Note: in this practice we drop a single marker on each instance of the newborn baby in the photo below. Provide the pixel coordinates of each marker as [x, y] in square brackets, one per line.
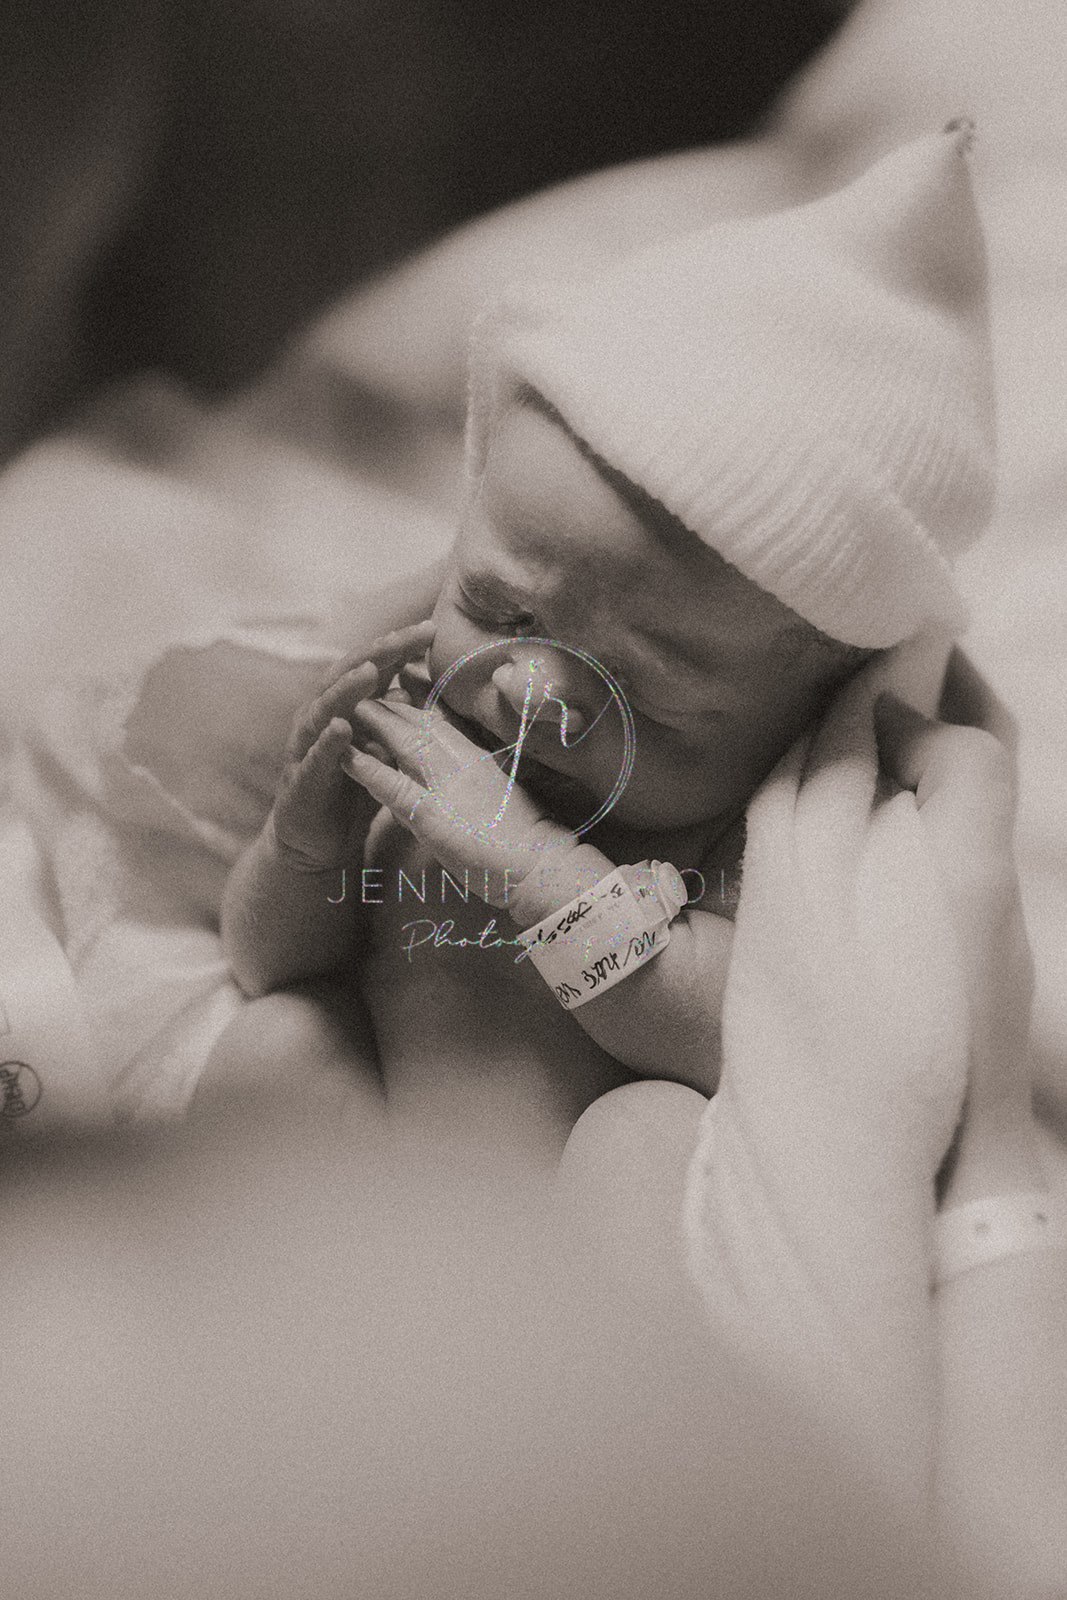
[701, 491]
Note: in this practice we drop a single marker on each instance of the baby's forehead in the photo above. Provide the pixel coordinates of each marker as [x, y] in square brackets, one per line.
[561, 516]
[563, 527]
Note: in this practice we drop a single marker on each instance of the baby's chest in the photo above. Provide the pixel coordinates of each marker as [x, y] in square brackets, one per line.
[443, 988]
[417, 910]
[437, 949]
[458, 1022]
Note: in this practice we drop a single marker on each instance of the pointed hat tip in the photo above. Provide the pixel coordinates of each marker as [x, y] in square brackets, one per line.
[911, 221]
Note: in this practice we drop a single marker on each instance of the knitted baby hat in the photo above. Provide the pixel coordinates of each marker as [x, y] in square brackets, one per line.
[810, 391]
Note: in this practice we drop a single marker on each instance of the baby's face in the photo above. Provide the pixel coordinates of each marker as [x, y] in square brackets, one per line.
[720, 677]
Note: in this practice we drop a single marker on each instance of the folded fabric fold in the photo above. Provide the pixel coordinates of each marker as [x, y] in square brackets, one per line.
[140, 794]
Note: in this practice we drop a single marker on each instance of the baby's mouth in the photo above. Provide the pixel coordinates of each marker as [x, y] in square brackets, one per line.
[556, 787]
[567, 798]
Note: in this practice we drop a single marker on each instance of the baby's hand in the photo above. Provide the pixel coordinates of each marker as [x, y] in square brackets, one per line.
[320, 819]
[451, 795]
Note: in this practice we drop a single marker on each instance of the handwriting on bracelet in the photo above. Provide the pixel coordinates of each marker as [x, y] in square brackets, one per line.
[639, 947]
[575, 913]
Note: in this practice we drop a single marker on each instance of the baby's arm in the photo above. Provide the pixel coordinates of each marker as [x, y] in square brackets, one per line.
[278, 922]
[664, 1020]
[288, 913]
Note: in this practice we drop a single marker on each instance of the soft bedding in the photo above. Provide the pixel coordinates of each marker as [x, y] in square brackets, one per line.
[174, 576]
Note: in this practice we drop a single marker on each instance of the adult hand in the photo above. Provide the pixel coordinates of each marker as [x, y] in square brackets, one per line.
[873, 902]
[963, 782]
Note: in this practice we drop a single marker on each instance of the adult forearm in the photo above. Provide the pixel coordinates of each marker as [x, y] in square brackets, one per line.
[281, 924]
[822, 1262]
[1002, 1455]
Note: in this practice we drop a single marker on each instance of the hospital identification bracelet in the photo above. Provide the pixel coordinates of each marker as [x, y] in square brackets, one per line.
[980, 1231]
[605, 934]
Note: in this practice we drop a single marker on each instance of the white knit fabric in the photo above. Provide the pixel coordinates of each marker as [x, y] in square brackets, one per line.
[810, 391]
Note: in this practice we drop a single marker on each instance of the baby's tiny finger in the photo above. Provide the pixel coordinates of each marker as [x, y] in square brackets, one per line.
[342, 694]
[330, 745]
[400, 647]
[302, 734]
[389, 786]
[395, 726]
[335, 700]
[401, 644]
[415, 680]
[317, 772]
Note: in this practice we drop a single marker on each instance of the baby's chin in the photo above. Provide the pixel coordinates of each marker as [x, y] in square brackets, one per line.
[574, 804]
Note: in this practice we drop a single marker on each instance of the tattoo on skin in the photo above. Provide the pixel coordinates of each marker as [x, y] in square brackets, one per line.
[20, 1090]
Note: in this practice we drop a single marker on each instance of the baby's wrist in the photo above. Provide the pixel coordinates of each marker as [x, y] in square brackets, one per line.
[294, 860]
[561, 874]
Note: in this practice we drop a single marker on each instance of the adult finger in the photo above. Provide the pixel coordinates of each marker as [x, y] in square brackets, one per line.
[962, 778]
[963, 784]
[838, 786]
[623, 1176]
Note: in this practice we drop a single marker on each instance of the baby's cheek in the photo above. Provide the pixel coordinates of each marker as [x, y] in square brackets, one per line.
[453, 639]
[438, 658]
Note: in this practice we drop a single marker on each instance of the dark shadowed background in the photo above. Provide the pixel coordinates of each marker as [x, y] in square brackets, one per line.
[182, 182]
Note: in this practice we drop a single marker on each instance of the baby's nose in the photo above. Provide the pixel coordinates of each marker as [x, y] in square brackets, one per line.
[537, 684]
